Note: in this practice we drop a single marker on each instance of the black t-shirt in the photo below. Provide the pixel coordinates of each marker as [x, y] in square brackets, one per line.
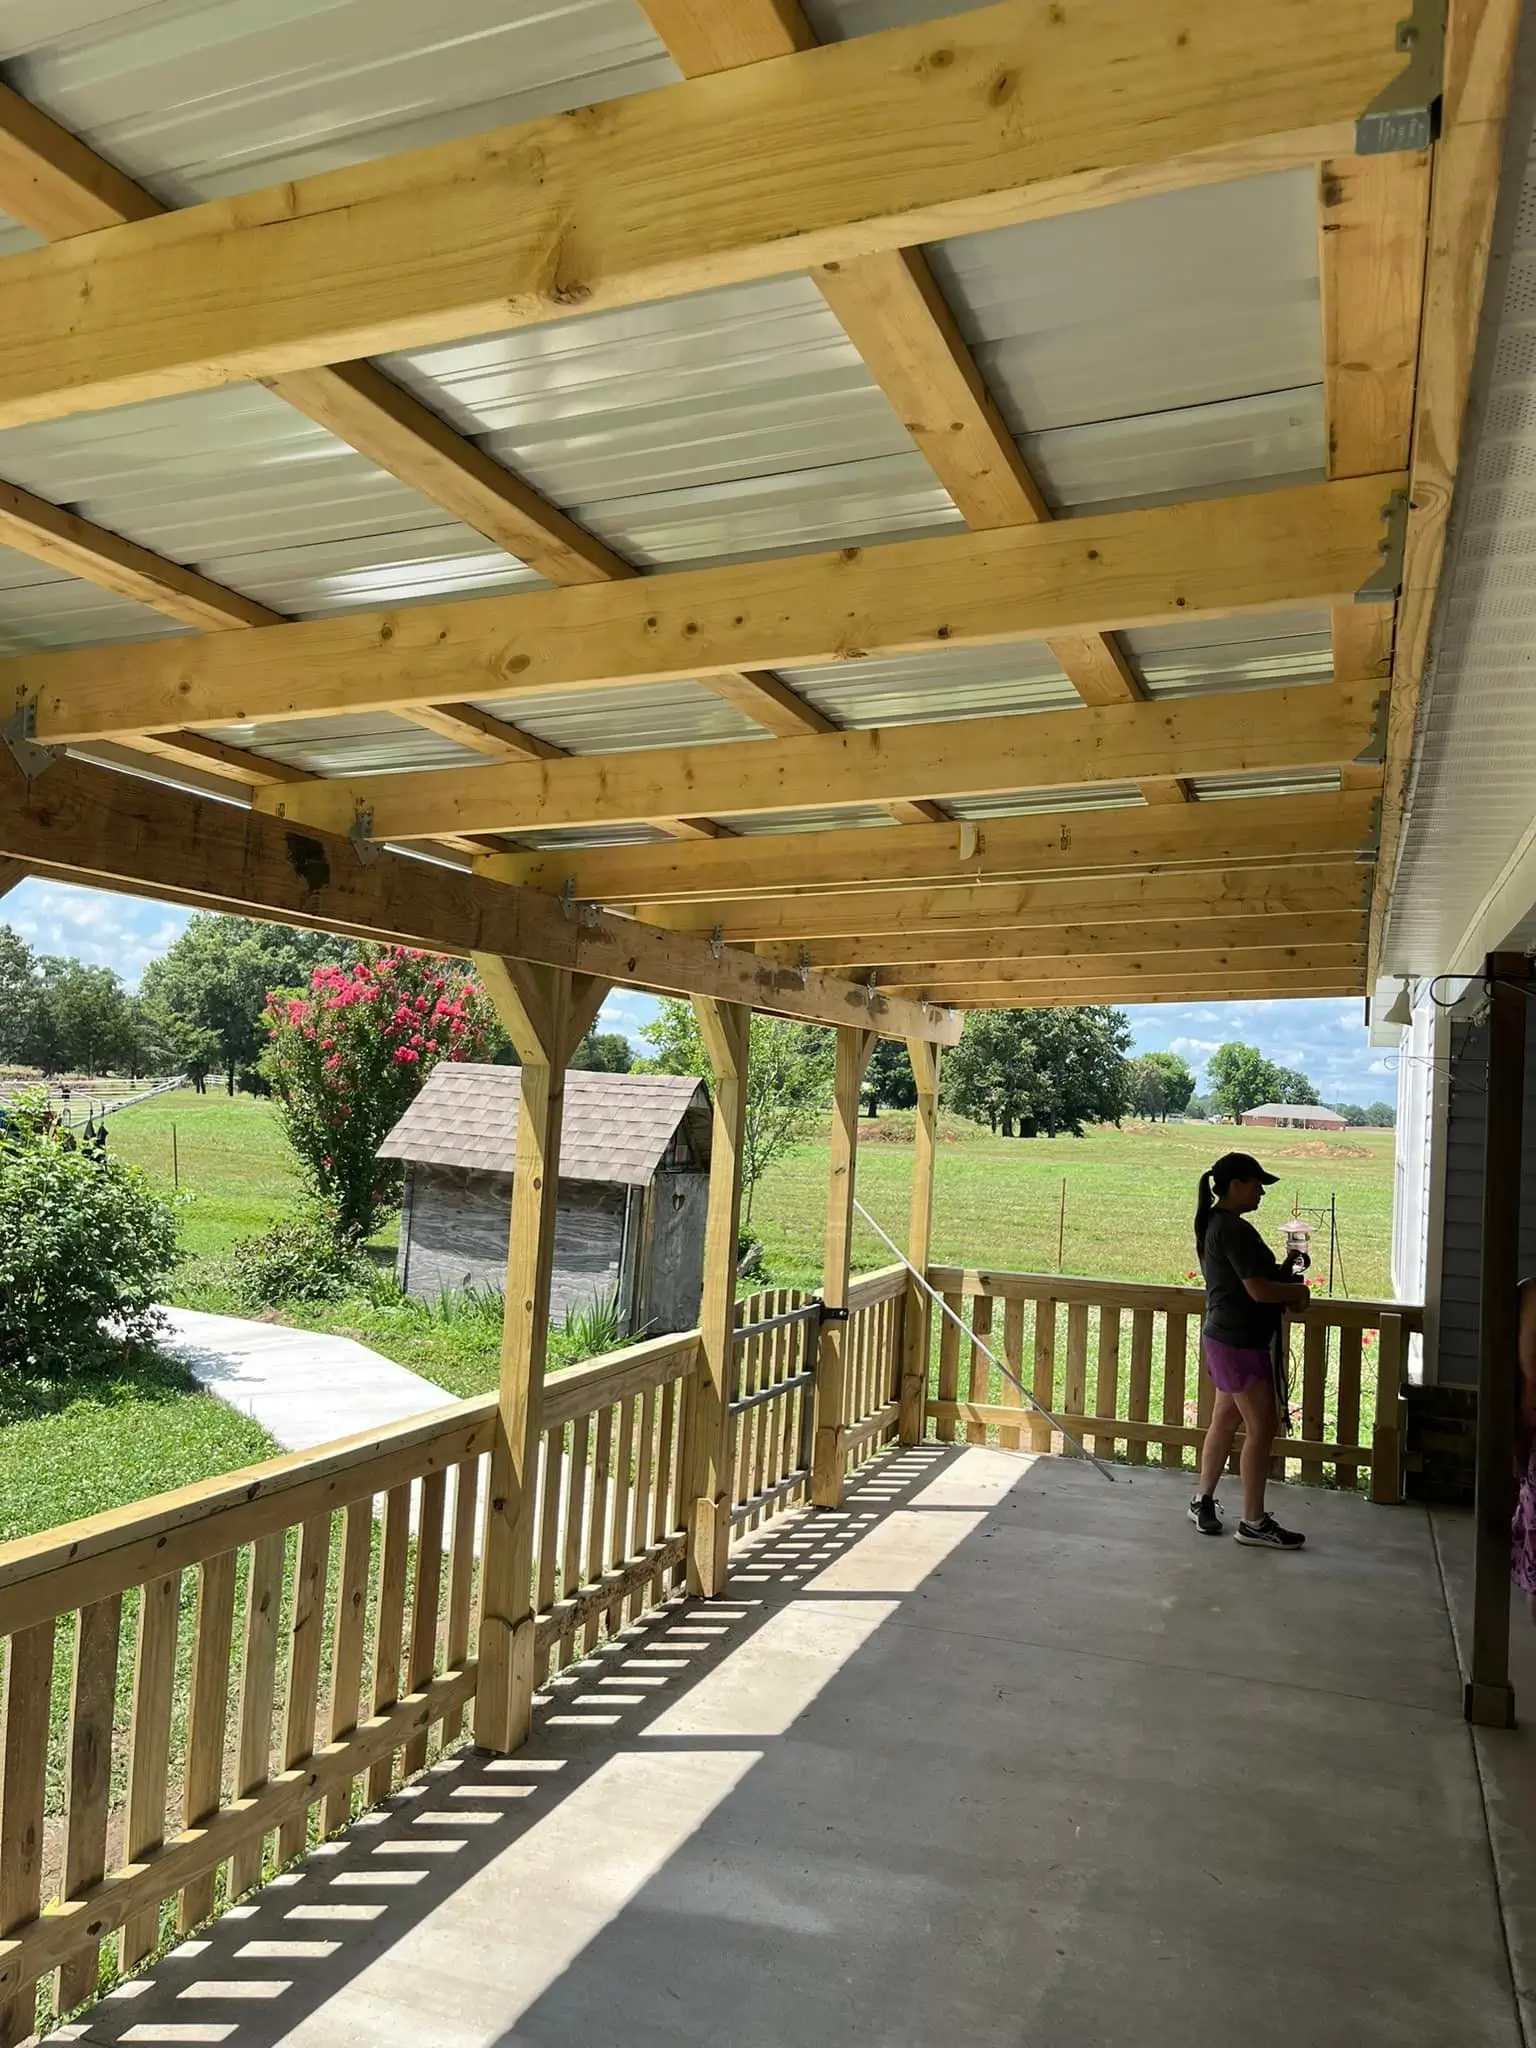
[1235, 1252]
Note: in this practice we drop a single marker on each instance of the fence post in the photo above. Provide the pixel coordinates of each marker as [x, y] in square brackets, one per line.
[547, 1012]
[853, 1050]
[915, 1318]
[1386, 1433]
[706, 1452]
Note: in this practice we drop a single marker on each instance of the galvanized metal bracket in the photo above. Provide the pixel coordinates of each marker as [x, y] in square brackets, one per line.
[577, 911]
[364, 845]
[1385, 581]
[1370, 854]
[1374, 753]
[717, 942]
[803, 967]
[1405, 115]
[17, 732]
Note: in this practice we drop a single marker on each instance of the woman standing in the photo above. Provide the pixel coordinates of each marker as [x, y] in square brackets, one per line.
[1247, 1291]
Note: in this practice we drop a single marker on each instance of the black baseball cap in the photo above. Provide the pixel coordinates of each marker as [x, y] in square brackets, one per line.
[1241, 1166]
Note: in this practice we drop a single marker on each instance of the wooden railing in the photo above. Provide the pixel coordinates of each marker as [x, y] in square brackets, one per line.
[1119, 1365]
[875, 1307]
[200, 1686]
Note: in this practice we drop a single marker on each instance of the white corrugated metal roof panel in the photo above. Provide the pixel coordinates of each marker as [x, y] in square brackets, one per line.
[835, 19]
[609, 835]
[1225, 788]
[367, 743]
[1201, 451]
[200, 98]
[42, 608]
[619, 721]
[1099, 796]
[1197, 655]
[838, 818]
[971, 682]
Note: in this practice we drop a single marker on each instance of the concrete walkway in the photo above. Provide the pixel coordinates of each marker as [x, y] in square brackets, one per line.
[997, 1757]
[304, 1388]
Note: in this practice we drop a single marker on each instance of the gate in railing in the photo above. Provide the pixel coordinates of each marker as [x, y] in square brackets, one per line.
[1119, 1365]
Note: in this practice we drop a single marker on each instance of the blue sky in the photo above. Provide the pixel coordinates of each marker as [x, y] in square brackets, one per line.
[1325, 1039]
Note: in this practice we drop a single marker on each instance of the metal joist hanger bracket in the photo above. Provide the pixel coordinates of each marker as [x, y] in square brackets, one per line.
[1385, 582]
[18, 734]
[364, 845]
[1405, 115]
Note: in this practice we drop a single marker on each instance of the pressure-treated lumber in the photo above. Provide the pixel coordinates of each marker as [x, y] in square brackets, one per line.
[1130, 968]
[1229, 986]
[829, 1453]
[1310, 544]
[1019, 117]
[1479, 70]
[12, 872]
[1060, 843]
[1259, 933]
[1291, 728]
[986, 906]
[708, 1482]
[119, 832]
[916, 1320]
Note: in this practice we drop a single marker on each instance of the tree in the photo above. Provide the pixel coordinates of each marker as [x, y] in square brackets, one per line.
[216, 979]
[1293, 1087]
[347, 1055]
[1040, 1072]
[790, 1073]
[1381, 1116]
[888, 1078]
[604, 1052]
[1353, 1114]
[18, 994]
[1240, 1078]
[1159, 1084]
[81, 1021]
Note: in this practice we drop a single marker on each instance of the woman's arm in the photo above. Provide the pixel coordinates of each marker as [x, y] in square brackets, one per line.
[1288, 1294]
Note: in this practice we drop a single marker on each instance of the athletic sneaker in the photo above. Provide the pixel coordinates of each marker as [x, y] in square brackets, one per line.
[1205, 1514]
[1267, 1535]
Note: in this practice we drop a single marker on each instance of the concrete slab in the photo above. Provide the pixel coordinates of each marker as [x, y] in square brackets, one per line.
[999, 1755]
[303, 1387]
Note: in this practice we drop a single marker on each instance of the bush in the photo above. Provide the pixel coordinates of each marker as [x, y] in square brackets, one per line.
[84, 1242]
[303, 1258]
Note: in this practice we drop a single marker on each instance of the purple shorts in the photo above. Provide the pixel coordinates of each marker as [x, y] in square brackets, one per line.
[1236, 1367]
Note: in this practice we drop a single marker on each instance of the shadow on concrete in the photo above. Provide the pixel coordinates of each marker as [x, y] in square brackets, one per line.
[997, 1754]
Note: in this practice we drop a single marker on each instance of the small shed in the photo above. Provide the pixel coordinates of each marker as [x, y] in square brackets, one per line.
[1296, 1116]
[634, 1179]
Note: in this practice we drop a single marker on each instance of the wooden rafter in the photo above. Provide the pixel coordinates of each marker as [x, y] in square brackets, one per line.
[11, 873]
[1181, 988]
[1284, 730]
[1254, 931]
[1129, 967]
[121, 832]
[1315, 543]
[1017, 122]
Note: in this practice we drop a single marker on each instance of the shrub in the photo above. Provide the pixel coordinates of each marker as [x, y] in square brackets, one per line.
[303, 1258]
[84, 1242]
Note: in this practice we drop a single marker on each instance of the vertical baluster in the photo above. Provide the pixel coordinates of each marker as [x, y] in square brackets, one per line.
[154, 1687]
[949, 1366]
[23, 1784]
[389, 1623]
[1045, 1374]
[622, 1487]
[597, 1526]
[347, 1656]
[978, 1377]
[461, 1582]
[93, 1693]
[1349, 1404]
[1141, 1379]
[307, 1640]
[1314, 1393]
[645, 1485]
[1175, 1375]
[1106, 1392]
[575, 1527]
[1011, 1437]
[1075, 1388]
[207, 1719]
[791, 1356]
[753, 1361]
[426, 1605]
[546, 1563]
[667, 1511]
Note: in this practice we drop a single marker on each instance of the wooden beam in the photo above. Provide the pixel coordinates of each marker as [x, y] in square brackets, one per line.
[117, 831]
[706, 1455]
[1293, 891]
[1291, 728]
[1222, 988]
[704, 37]
[1055, 843]
[12, 872]
[1214, 557]
[1020, 118]
[234, 764]
[1257, 931]
[1479, 69]
[1278, 964]
[829, 1455]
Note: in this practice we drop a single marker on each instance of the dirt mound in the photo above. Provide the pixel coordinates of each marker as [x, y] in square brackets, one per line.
[1320, 1148]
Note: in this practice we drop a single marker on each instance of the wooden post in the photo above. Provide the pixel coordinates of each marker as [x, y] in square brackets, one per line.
[916, 1321]
[707, 1475]
[1387, 1428]
[853, 1050]
[547, 1011]
[1490, 1699]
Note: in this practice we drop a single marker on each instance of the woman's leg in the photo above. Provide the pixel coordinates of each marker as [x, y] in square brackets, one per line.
[1256, 1404]
[1219, 1432]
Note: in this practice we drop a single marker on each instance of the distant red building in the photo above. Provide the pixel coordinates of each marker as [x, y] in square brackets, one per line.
[1295, 1116]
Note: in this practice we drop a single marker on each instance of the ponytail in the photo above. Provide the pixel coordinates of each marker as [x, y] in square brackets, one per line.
[1205, 1202]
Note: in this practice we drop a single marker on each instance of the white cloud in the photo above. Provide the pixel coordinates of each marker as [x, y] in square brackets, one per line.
[625, 1011]
[98, 926]
[1325, 1039]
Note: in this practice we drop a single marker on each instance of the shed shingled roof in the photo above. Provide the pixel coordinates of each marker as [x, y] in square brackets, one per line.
[1297, 1113]
[617, 1126]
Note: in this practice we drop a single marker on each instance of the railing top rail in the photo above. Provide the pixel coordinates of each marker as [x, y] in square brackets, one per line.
[882, 1285]
[67, 1567]
[1336, 1312]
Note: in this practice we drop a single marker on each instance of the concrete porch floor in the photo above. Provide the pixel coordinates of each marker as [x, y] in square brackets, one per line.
[999, 1755]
